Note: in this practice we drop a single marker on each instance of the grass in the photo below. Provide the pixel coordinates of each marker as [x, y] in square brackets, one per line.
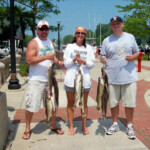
[145, 57]
[24, 69]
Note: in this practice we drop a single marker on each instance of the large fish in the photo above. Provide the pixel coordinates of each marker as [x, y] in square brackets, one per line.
[79, 91]
[102, 93]
[105, 94]
[100, 88]
[52, 96]
[78, 85]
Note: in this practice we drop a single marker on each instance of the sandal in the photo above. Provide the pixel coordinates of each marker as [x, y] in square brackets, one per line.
[58, 130]
[71, 132]
[86, 131]
[26, 135]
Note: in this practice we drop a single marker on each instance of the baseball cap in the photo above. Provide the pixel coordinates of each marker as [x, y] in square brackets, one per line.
[116, 18]
[80, 29]
[42, 23]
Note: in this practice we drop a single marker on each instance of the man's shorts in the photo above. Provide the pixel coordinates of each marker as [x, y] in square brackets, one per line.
[35, 94]
[126, 93]
[71, 89]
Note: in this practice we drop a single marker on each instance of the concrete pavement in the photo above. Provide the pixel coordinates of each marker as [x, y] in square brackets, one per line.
[43, 138]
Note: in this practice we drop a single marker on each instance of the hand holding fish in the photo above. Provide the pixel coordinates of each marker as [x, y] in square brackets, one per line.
[81, 61]
[50, 56]
[77, 56]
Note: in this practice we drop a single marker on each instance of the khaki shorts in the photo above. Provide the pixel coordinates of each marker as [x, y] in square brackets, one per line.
[35, 95]
[126, 93]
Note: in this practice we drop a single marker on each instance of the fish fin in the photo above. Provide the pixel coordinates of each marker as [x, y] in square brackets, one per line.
[103, 117]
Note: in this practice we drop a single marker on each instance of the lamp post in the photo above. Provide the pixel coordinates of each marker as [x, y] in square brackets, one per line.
[13, 82]
[58, 24]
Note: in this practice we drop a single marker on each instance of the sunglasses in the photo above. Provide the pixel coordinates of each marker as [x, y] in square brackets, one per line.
[82, 33]
[43, 29]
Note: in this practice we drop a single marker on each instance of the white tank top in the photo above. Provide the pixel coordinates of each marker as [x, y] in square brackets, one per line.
[38, 71]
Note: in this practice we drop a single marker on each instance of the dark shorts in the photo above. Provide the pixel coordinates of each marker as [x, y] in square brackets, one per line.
[71, 89]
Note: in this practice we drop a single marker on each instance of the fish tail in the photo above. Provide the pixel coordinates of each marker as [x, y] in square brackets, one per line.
[98, 108]
[83, 114]
[104, 117]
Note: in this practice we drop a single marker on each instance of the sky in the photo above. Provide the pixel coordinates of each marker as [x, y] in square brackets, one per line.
[86, 13]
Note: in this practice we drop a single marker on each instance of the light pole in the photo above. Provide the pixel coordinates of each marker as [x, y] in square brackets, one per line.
[58, 24]
[13, 82]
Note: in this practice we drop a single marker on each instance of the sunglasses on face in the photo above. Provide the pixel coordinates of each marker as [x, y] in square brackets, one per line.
[82, 33]
[43, 29]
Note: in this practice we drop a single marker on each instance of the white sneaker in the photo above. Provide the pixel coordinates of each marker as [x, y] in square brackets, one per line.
[130, 132]
[112, 129]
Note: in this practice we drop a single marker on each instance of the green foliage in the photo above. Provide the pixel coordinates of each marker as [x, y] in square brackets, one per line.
[27, 40]
[90, 34]
[27, 11]
[137, 22]
[39, 9]
[105, 31]
[67, 39]
[24, 69]
[145, 57]
[132, 25]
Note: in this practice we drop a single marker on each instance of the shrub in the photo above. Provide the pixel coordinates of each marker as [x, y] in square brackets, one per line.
[24, 69]
[145, 57]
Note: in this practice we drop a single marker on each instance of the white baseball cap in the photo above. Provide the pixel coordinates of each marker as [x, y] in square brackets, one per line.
[42, 23]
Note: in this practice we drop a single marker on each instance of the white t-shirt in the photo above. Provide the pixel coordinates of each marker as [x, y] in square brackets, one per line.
[94, 49]
[38, 71]
[116, 49]
[87, 54]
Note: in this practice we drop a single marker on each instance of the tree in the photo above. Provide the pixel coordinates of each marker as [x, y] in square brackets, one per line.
[90, 34]
[67, 39]
[35, 9]
[137, 22]
[39, 10]
[105, 31]
[27, 40]
[21, 21]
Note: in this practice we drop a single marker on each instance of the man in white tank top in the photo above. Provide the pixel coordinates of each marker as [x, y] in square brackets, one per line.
[40, 54]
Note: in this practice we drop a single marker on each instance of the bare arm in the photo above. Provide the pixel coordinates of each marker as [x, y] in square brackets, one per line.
[31, 54]
[132, 57]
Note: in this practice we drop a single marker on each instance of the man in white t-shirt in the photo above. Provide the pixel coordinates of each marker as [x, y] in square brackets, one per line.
[119, 50]
[39, 56]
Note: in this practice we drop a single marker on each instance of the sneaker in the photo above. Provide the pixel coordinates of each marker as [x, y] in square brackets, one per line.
[130, 133]
[112, 129]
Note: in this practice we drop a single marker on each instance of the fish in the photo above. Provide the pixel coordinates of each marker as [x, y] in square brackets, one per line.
[100, 88]
[105, 94]
[79, 99]
[83, 104]
[52, 95]
[78, 85]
